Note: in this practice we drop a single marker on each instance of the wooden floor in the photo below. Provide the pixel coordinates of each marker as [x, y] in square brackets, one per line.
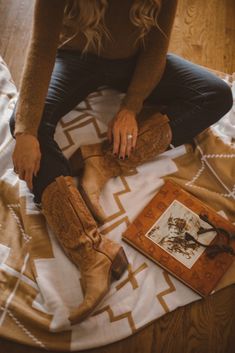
[204, 33]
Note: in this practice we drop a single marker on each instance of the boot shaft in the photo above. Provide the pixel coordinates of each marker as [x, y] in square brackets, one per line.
[154, 136]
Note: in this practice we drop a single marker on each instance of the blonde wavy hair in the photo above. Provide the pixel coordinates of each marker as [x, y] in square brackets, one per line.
[89, 14]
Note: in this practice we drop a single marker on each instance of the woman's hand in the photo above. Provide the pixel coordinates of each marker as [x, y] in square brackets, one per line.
[26, 157]
[121, 126]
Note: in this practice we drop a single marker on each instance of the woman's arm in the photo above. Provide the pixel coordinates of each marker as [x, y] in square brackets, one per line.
[47, 22]
[151, 60]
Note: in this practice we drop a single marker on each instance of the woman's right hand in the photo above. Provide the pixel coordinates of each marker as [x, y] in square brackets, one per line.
[26, 157]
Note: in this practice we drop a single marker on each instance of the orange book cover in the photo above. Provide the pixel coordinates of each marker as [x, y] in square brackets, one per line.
[169, 230]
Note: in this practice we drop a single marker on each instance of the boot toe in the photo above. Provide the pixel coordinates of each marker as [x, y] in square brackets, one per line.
[79, 314]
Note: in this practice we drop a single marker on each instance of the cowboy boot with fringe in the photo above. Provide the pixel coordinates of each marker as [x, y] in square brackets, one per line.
[99, 164]
[100, 260]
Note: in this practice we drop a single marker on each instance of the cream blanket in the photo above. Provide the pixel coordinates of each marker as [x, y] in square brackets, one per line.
[38, 283]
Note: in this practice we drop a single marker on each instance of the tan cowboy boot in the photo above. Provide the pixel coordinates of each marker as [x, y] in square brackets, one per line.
[99, 259]
[99, 164]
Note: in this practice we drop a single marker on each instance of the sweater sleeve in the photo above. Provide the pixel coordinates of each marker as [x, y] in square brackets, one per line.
[38, 66]
[151, 59]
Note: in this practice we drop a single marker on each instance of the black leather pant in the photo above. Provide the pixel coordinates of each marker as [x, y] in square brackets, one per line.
[194, 99]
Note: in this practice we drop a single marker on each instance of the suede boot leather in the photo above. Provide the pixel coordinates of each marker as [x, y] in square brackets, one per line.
[99, 259]
[99, 164]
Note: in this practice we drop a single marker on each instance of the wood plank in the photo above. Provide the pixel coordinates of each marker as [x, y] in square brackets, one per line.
[15, 24]
[204, 33]
[205, 326]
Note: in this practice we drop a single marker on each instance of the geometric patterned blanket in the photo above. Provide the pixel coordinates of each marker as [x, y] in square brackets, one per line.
[39, 284]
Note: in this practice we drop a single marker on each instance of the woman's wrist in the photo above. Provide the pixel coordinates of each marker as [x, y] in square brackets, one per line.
[18, 134]
[127, 110]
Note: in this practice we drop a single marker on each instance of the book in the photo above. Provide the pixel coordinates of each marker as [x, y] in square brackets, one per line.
[184, 236]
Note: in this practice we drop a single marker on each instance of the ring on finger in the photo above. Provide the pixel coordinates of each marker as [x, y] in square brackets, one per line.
[129, 136]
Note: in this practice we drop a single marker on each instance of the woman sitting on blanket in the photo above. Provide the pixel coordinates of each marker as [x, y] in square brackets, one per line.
[77, 46]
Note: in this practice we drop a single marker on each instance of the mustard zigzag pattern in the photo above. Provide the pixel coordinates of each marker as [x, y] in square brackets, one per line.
[78, 118]
[115, 225]
[113, 318]
[169, 290]
[89, 121]
[116, 197]
[131, 277]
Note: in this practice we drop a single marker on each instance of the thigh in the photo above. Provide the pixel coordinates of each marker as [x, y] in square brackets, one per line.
[184, 81]
[193, 98]
[72, 79]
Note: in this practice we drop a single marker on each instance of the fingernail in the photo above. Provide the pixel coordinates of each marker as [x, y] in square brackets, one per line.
[127, 156]
[120, 157]
[115, 154]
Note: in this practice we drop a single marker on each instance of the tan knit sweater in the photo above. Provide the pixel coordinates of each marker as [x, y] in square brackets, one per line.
[50, 28]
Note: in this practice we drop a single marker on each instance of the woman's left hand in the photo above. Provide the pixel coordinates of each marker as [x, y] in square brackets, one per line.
[120, 127]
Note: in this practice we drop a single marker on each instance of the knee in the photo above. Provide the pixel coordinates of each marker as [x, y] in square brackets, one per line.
[223, 98]
[226, 98]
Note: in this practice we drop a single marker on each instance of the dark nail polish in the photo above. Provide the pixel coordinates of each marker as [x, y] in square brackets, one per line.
[127, 156]
[115, 154]
[120, 157]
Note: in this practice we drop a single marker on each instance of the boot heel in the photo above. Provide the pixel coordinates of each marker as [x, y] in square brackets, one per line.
[119, 265]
